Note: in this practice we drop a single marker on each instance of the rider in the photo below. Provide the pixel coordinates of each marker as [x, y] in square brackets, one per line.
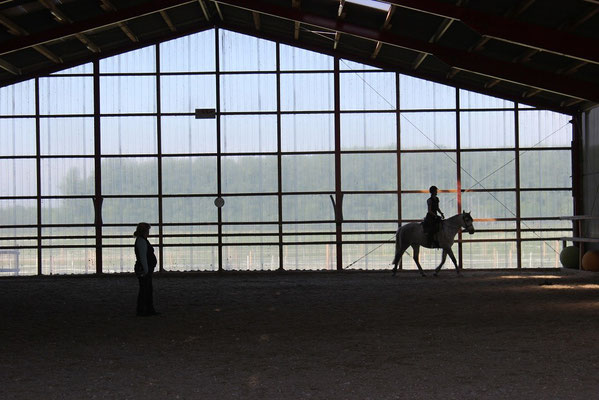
[432, 220]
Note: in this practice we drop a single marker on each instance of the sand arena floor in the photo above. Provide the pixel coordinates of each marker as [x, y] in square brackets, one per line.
[353, 335]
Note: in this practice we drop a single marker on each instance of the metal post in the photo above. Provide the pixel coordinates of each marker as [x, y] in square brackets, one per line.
[338, 193]
[38, 167]
[279, 158]
[97, 168]
[159, 154]
[459, 172]
[398, 144]
[518, 208]
[218, 151]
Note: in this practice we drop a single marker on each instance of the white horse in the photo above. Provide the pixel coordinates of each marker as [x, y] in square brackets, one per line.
[413, 234]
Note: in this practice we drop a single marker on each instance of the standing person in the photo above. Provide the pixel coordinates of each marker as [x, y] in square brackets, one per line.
[144, 268]
[432, 219]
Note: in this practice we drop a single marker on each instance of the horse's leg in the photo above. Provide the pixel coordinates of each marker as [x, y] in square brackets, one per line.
[443, 258]
[416, 253]
[455, 263]
[399, 250]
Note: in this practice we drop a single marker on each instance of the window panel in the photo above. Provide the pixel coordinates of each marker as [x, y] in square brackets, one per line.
[368, 91]
[417, 94]
[142, 60]
[308, 208]
[68, 211]
[546, 204]
[67, 136]
[544, 129]
[18, 262]
[255, 92]
[346, 65]
[17, 136]
[128, 135]
[182, 234]
[368, 131]
[546, 169]
[185, 93]
[67, 176]
[185, 134]
[65, 261]
[308, 173]
[310, 257]
[472, 100]
[487, 129]
[189, 209]
[130, 211]
[258, 54]
[249, 133]
[434, 130]
[18, 99]
[540, 254]
[296, 59]
[490, 204]
[488, 170]
[67, 95]
[191, 258]
[309, 132]
[18, 177]
[249, 174]
[188, 175]
[193, 53]
[295, 97]
[250, 209]
[127, 94]
[419, 171]
[129, 176]
[120, 259]
[369, 171]
[413, 205]
[495, 255]
[369, 206]
[17, 212]
[80, 69]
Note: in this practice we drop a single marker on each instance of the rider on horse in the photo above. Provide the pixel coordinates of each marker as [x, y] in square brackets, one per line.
[432, 221]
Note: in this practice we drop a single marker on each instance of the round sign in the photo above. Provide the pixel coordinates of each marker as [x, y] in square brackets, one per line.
[219, 202]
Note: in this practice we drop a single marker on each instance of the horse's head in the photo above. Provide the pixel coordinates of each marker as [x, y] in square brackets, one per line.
[467, 220]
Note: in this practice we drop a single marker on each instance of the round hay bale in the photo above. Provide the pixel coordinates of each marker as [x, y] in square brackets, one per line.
[569, 257]
[590, 260]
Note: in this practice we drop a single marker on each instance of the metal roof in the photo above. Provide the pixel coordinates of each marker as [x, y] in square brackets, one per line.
[544, 53]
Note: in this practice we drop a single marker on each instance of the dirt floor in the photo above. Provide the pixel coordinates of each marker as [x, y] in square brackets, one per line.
[353, 335]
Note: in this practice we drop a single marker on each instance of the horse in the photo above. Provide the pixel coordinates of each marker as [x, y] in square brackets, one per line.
[413, 234]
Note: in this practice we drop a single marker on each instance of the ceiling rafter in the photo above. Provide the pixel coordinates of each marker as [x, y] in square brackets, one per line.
[256, 18]
[218, 10]
[511, 30]
[16, 30]
[463, 60]
[64, 19]
[296, 25]
[386, 26]
[108, 6]
[9, 67]
[167, 20]
[204, 9]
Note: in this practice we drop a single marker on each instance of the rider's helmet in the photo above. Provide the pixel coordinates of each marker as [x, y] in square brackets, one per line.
[433, 189]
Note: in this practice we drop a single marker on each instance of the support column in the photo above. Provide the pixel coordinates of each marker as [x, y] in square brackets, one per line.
[518, 208]
[338, 192]
[159, 154]
[97, 168]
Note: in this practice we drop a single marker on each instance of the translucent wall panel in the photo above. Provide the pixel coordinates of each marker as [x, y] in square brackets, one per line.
[67, 95]
[189, 209]
[192, 235]
[67, 176]
[258, 54]
[18, 177]
[250, 258]
[374, 131]
[193, 53]
[191, 258]
[17, 212]
[295, 97]
[419, 171]
[544, 129]
[185, 134]
[130, 211]
[472, 100]
[546, 203]
[249, 174]
[256, 92]
[188, 175]
[249, 133]
[142, 60]
[296, 59]
[80, 69]
[65, 261]
[250, 234]
[488, 170]
[67, 136]
[308, 173]
[250, 209]
[308, 208]
[546, 169]
[417, 93]
[185, 93]
[489, 228]
[368, 91]
[129, 176]
[414, 207]
[18, 262]
[310, 257]
[18, 99]
[487, 129]
[67, 211]
[127, 94]
[128, 135]
[369, 171]
[121, 259]
[434, 130]
[541, 254]
[17, 136]
[346, 65]
[369, 206]
[490, 204]
[496, 255]
[369, 256]
[309, 132]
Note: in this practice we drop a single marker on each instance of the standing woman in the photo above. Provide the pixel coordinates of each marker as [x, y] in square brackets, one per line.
[144, 268]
